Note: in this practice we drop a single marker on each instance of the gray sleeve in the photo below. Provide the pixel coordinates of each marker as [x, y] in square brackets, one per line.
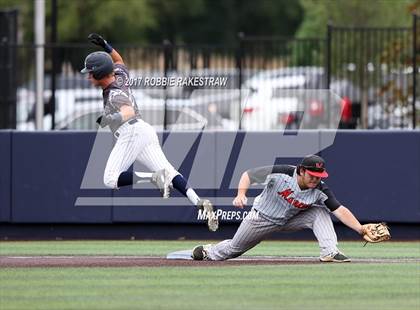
[120, 69]
[119, 99]
[258, 175]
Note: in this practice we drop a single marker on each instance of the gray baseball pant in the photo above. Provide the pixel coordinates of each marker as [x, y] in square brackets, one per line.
[255, 229]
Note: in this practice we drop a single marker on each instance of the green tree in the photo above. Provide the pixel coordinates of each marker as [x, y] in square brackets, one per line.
[152, 21]
[360, 13]
[119, 21]
[219, 21]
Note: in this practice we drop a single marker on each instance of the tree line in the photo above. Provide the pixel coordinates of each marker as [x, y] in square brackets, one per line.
[207, 21]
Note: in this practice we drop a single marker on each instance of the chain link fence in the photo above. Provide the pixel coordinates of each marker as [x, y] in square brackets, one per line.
[254, 82]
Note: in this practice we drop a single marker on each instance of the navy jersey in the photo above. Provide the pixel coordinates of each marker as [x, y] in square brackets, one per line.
[118, 93]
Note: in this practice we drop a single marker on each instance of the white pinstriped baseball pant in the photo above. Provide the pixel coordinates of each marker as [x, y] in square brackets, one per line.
[255, 229]
[135, 142]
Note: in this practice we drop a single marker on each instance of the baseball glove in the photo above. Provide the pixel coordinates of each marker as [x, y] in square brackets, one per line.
[100, 41]
[97, 39]
[375, 232]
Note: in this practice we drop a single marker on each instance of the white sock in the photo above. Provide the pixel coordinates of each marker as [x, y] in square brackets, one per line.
[144, 176]
[192, 196]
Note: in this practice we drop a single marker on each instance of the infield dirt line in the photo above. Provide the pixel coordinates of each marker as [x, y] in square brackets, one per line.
[157, 261]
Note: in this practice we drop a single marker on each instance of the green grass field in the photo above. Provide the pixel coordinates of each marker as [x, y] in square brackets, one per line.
[320, 286]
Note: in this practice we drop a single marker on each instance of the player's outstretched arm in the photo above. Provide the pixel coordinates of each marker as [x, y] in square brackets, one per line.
[348, 219]
[372, 232]
[100, 41]
[116, 57]
[244, 183]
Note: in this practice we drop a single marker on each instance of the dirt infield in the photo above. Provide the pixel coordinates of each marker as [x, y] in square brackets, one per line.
[154, 261]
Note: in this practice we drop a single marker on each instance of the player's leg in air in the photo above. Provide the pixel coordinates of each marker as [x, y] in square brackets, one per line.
[146, 149]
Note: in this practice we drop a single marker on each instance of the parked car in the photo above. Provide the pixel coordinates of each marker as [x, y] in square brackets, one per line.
[278, 99]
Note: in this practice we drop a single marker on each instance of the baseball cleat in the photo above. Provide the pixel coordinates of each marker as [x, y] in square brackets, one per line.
[207, 207]
[200, 252]
[335, 258]
[161, 179]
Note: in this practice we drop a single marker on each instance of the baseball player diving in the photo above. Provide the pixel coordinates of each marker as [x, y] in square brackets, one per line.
[293, 198]
[135, 139]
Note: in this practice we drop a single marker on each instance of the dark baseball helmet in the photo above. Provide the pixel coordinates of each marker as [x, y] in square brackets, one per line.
[314, 165]
[100, 64]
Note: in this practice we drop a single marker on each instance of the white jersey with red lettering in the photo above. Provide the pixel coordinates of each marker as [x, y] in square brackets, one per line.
[282, 206]
[282, 197]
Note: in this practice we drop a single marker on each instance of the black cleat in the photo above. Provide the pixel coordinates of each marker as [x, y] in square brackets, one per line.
[200, 253]
[335, 258]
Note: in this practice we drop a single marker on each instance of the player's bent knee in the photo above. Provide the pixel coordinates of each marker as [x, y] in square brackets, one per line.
[110, 181]
[173, 173]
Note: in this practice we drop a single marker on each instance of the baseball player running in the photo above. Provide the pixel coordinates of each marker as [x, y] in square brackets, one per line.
[294, 198]
[135, 139]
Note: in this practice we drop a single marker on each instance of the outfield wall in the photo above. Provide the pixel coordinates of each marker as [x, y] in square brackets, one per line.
[375, 173]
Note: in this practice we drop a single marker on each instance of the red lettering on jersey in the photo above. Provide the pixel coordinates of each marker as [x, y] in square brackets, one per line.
[286, 193]
[300, 205]
[296, 203]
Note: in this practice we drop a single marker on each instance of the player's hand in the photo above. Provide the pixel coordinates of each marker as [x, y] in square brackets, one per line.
[240, 201]
[97, 39]
[103, 121]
